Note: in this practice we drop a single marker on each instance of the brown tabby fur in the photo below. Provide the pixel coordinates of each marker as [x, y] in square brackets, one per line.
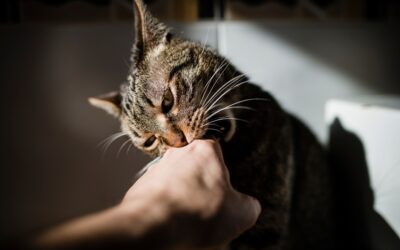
[272, 156]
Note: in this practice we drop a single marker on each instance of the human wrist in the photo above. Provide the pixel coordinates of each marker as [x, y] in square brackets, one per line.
[144, 218]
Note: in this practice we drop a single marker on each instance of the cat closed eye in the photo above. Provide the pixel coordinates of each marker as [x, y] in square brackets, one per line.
[150, 141]
[167, 102]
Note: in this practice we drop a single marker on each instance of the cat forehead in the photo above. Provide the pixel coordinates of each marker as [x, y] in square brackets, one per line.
[172, 54]
[154, 72]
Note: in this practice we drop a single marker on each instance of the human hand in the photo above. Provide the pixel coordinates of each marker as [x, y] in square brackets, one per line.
[192, 198]
[185, 201]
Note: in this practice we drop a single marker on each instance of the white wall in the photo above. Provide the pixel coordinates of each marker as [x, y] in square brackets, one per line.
[304, 65]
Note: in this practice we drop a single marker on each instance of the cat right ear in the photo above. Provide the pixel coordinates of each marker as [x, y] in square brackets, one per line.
[110, 102]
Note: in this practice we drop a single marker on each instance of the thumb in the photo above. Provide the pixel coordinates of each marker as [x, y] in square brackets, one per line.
[251, 207]
[246, 212]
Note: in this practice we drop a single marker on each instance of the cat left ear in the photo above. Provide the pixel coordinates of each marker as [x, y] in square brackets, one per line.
[149, 31]
[110, 102]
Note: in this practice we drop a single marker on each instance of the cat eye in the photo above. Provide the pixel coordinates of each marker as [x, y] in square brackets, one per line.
[167, 102]
[150, 141]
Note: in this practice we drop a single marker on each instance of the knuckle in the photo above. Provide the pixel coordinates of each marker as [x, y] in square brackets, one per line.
[205, 146]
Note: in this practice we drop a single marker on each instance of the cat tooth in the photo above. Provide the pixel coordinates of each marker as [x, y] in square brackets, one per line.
[189, 137]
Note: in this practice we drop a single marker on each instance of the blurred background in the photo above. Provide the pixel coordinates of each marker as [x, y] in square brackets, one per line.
[63, 11]
[56, 54]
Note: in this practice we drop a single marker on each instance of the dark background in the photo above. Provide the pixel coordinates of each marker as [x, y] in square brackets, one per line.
[26, 11]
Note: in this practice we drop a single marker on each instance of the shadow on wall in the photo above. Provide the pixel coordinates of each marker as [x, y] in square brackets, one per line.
[367, 54]
[358, 225]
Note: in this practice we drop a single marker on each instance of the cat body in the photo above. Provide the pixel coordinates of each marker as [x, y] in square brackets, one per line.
[276, 159]
[178, 91]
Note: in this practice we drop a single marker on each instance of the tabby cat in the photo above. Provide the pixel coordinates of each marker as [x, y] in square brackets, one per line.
[178, 91]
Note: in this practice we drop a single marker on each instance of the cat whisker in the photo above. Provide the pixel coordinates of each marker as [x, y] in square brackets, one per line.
[230, 84]
[223, 87]
[216, 106]
[129, 148]
[205, 42]
[223, 119]
[147, 167]
[214, 125]
[110, 137]
[235, 103]
[127, 64]
[213, 129]
[106, 143]
[209, 80]
[107, 146]
[227, 91]
[229, 108]
[216, 81]
[122, 146]
[206, 91]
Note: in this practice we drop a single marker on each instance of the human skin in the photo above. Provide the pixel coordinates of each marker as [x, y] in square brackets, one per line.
[185, 201]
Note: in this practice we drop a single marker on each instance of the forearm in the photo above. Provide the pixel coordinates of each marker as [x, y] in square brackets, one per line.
[135, 225]
[86, 231]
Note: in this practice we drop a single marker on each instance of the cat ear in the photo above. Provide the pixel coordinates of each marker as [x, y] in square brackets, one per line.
[110, 102]
[149, 31]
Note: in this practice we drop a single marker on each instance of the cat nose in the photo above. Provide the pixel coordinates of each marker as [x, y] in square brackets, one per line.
[176, 139]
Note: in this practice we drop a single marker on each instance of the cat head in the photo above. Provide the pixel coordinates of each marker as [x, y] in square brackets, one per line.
[175, 91]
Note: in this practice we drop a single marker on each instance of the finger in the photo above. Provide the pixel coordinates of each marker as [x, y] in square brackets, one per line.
[217, 148]
[218, 152]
